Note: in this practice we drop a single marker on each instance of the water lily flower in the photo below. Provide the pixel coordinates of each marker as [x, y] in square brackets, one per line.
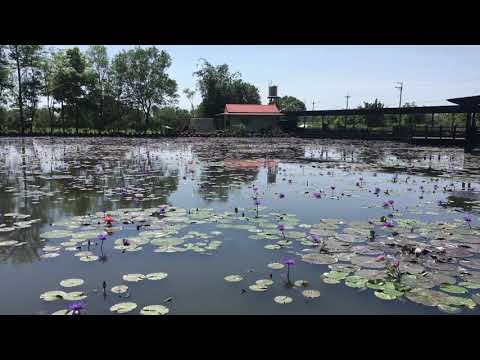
[391, 202]
[76, 307]
[380, 258]
[468, 220]
[102, 237]
[389, 224]
[386, 204]
[108, 219]
[289, 262]
[315, 238]
[377, 191]
[280, 227]
[317, 195]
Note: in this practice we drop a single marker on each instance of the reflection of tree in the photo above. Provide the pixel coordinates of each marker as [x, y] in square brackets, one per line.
[216, 181]
[463, 200]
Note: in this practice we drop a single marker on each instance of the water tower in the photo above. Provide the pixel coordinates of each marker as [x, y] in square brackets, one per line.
[272, 94]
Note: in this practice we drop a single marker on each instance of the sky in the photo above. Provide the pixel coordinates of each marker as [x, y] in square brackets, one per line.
[326, 74]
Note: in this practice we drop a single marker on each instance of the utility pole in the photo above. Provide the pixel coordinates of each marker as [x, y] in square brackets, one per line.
[400, 102]
[347, 97]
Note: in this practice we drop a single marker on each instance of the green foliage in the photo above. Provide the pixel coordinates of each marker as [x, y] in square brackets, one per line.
[219, 87]
[146, 80]
[290, 103]
[374, 120]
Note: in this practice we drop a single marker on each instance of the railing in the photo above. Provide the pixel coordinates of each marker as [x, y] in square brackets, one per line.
[398, 133]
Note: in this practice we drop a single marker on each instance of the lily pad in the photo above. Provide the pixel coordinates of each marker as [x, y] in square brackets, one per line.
[283, 299]
[119, 289]
[154, 310]
[311, 293]
[133, 277]
[124, 307]
[233, 278]
[71, 282]
[156, 276]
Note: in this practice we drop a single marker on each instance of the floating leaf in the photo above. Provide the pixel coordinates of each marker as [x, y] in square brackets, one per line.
[311, 293]
[119, 289]
[283, 299]
[71, 282]
[156, 276]
[154, 310]
[123, 307]
[53, 295]
[133, 277]
[233, 278]
[276, 266]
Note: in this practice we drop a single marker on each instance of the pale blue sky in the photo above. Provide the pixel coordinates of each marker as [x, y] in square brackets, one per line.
[325, 74]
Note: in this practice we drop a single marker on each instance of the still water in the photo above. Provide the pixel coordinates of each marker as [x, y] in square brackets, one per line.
[188, 208]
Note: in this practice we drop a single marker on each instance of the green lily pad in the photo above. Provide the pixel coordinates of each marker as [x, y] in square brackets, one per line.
[283, 299]
[71, 282]
[124, 307]
[119, 289]
[156, 276]
[311, 293]
[154, 310]
[233, 278]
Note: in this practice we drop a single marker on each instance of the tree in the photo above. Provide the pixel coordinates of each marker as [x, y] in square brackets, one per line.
[25, 59]
[5, 83]
[190, 94]
[47, 70]
[219, 87]
[290, 103]
[70, 83]
[98, 61]
[413, 119]
[147, 82]
[375, 119]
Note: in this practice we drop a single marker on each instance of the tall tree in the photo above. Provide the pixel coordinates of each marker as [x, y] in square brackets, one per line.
[290, 103]
[47, 70]
[147, 80]
[5, 83]
[117, 86]
[189, 93]
[25, 60]
[98, 60]
[218, 87]
[375, 119]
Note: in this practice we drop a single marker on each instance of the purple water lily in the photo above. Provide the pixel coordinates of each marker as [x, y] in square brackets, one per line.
[77, 307]
[386, 204]
[468, 219]
[389, 224]
[289, 262]
[317, 195]
[281, 228]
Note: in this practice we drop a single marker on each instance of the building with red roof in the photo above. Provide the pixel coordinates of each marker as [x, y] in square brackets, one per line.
[251, 117]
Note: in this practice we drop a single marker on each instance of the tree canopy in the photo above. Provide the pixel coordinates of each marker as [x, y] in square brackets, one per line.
[290, 103]
[218, 86]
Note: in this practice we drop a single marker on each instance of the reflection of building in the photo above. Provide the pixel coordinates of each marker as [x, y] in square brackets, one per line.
[271, 165]
[251, 117]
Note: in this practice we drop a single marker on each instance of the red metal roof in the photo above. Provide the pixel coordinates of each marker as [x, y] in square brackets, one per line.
[252, 108]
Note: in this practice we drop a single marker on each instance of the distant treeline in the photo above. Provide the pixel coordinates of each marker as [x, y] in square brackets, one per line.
[67, 91]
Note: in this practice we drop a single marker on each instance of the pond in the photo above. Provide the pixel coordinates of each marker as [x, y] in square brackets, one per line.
[237, 226]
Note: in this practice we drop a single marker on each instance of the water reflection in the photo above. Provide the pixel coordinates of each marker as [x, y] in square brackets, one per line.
[50, 179]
